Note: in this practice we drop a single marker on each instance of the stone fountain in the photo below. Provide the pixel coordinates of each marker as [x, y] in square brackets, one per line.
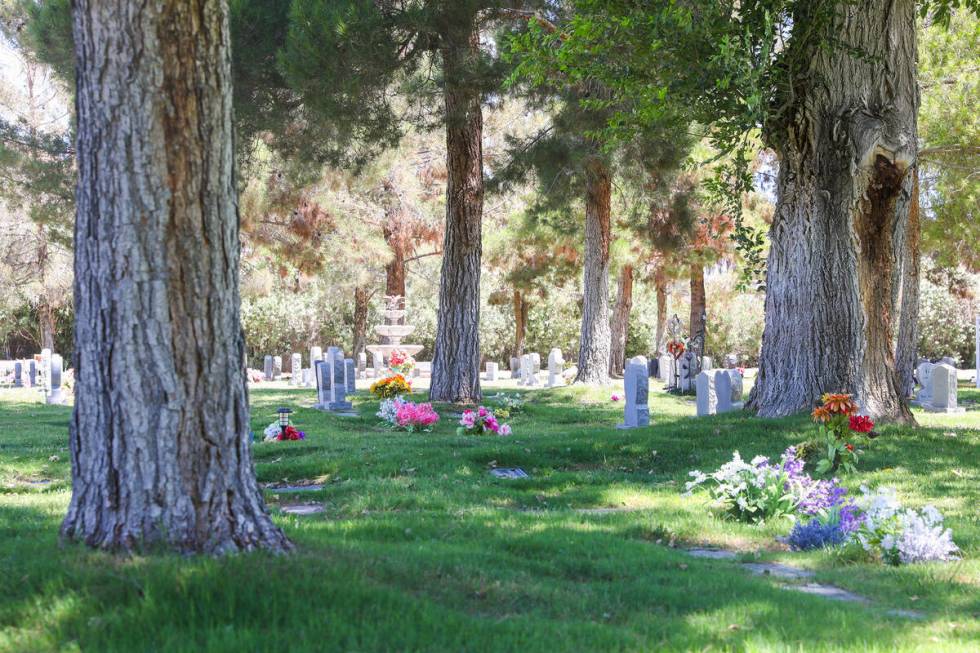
[393, 330]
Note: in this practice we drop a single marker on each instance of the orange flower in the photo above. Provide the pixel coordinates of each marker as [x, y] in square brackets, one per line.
[821, 414]
[839, 404]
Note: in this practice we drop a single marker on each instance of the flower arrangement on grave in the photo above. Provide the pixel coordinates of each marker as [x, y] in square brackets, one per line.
[837, 420]
[401, 362]
[404, 415]
[274, 432]
[896, 535]
[391, 386]
[759, 490]
[615, 397]
[676, 348]
[481, 422]
[507, 404]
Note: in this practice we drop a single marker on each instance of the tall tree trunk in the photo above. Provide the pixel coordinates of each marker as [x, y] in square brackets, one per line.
[908, 328]
[620, 322]
[660, 281]
[395, 269]
[840, 231]
[698, 307]
[520, 322]
[361, 297]
[456, 358]
[45, 311]
[593, 352]
[45, 318]
[159, 436]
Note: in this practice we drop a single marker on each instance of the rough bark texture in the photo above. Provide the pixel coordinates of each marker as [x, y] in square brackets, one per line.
[456, 357]
[361, 297]
[840, 231]
[620, 322]
[520, 322]
[395, 268]
[593, 352]
[698, 306]
[908, 328]
[159, 437]
[660, 282]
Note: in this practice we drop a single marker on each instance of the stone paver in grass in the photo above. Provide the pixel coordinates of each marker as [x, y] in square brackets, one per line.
[781, 571]
[305, 509]
[313, 487]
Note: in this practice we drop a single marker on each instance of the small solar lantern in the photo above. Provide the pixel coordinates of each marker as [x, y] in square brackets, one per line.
[284, 414]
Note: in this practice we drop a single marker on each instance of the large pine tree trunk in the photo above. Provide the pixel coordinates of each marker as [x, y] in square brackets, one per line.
[660, 282]
[395, 268]
[698, 307]
[361, 297]
[456, 359]
[159, 437]
[840, 231]
[621, 321]
[520, 322]
[593, 352]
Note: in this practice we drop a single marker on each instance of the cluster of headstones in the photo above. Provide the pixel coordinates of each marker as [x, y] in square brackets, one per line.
[335, 379]
[937, 386]
[526, 369]
[718, 391]
[45, 375]
[680, 373]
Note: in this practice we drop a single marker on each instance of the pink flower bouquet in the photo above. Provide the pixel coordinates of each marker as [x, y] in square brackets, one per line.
[481, 422]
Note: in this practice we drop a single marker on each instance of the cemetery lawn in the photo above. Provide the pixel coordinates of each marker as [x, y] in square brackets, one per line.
[420, 549]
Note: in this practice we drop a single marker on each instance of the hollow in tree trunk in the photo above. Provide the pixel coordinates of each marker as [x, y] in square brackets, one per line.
[159, 436]
[593, 352]
[520, 322]
[660, 283]
[620, 322]
[841, 227]
[456, 358]
[698, 307]
[361, 297]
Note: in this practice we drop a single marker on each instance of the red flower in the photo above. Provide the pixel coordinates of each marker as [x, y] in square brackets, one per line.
[861, 423]
[849, 447]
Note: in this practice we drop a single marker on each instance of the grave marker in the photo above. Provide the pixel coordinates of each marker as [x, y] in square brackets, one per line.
[943, 390]
[556, 364]
[707, 398]
[637, 384]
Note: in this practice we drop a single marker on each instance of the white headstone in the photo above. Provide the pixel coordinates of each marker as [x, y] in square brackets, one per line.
[491, 371]
[666, 361]
[528, 377]
[55, 396]
[707, 399]
[45, 370]
[535, 363]
[378, 363]
[316, 354]
[277, 366]
[948, 360]
[307, 377]
[685, 371]
[268, 369]
[295, 369]
[636, 381]
[723, 390]
[350, 370]
[362, 365]
[736, 379]
[924, 374]
[556, 363]
[943, 390]
[515, 367]
[731, 361]
[706, 363]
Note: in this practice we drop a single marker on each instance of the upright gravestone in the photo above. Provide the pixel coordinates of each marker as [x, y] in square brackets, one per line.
[685, 372]
[316, 354]
[55, 395]
[666, 364]
[723, 390]
[943, 390]
[528, 377]
[535, 363]
[350, 371]
[731, 361]
[268, 372]
[707, 398]
[654, 366]
[378, 364]
[331, 380]
[45, 370]
[736, 378]
[18, 374]
[362, 365]
[32, 372]
[924, 375]
[948, 360]
[707, 363]
[307, 377]
[556, 363]
[637, 384]
[295, 369]
[277, 367]
[492, 370]
[977, 355]
[515, 367]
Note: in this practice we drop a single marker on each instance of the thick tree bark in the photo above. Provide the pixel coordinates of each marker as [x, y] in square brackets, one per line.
[660, 282]
[395, 268]
[361, 297]
[159, 437]
[45, 318]
[908, 329]
[520, 322]
[840, 231]
[593, 352]
[698, 307]
[456, 359]
[620, 322]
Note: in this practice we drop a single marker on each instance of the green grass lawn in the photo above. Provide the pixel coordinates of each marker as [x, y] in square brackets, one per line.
[421, 549]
